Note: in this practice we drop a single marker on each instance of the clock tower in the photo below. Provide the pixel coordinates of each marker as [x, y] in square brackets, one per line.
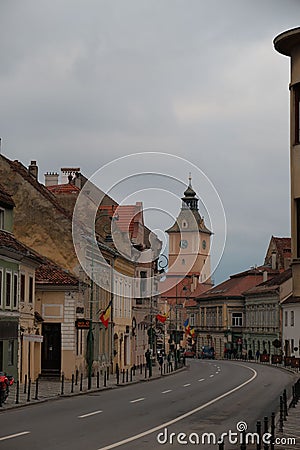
[189, 240]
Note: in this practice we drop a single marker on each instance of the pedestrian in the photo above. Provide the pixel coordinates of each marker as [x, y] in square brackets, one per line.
[160, 362]
[257, 355]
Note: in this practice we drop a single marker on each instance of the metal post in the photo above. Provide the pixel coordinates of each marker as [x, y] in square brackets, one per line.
[81, 382]
[221, 446]
[25, 384]
[62, 384]
[266, 429]
[104, 378]
[284, 396]
[281, 415]
[123, 376]
[258, 431]
[28, 393]
[126, 375]
[72, 385]
[107, 373]
[131, 370]
[98, 379]
[118, 374]
[76, 377]
[243, 444]
[273, 431]
[17, 392]
[36, 389]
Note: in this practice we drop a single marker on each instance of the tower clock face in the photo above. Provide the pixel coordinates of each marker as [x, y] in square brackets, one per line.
[183, 243]
[204, 245]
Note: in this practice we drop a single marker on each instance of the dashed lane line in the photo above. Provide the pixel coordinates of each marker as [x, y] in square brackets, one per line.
[11, 436]
[167, 391]
[137, 400]
[211, 376]
[183, 416]
[202, 379]
[89, 414]
[186, 385]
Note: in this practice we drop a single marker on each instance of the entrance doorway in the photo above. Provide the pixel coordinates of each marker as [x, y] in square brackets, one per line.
[51, 349]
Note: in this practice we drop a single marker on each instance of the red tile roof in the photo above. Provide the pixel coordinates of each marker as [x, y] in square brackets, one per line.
[270, 285]
[237, 284]
[128, 217]
[49, 273]
[67, 188]
[9, 242]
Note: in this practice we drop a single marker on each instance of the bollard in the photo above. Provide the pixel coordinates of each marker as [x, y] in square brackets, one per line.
[146, 371]
[126, 375]
[36, 397]
[81, 381]
[118, 376]
[62, 384]
[281, 415]
[134, 369]
[272, 431]
[285, 408]
[107, 373]
[131, 370]
[123, 376]
[141, 369]
[266, 429]
[221, 445]
[105, 378]
[25, 384]
[243, 444]
[28, 392]
[72, 384]
[98, 379]
[76, 377]
[17, 392]
[258, 431]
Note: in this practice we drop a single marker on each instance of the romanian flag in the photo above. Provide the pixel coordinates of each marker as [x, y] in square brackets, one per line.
[105, 316]
[192, 332]
[186, 327]
[161, 317]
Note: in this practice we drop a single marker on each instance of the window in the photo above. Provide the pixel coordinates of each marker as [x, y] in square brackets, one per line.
[22, 288]
[285, 318]
[1, 287]
[8, 289]
[15, 291]
[192, 320]
[143, 285]
[10, 353]
[296, 112]
[237, 319]
[292, 318]
[30, 297]
[1, 219]
[297, 207]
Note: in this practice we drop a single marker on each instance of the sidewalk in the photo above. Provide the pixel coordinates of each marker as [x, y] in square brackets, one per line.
[291, 429]
[51, 389]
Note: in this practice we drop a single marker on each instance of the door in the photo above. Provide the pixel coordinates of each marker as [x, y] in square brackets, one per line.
[51, 349]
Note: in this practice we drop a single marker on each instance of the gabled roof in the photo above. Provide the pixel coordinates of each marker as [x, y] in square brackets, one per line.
[6, 198]
[128, 217]
[49, 273]
[18, 167]
[10, 245]
[270, 285]
[237, 284]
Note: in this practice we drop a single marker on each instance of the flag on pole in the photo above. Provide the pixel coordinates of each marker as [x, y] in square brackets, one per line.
[192, 332]
[105, 315]
[161, 317]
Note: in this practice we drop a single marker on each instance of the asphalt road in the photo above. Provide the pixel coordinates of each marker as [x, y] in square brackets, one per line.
[211, 396]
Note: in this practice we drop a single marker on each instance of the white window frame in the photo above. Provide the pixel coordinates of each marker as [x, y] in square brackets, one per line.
[15, 290]
[237, 319]
[6, 306]
[1, 289]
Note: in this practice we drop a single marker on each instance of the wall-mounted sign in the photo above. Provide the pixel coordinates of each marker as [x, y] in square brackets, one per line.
[82, 324]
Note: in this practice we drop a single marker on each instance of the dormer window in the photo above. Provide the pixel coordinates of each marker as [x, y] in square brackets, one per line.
[184, 224]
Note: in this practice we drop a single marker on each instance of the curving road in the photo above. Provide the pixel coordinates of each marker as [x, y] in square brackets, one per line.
[209, 397]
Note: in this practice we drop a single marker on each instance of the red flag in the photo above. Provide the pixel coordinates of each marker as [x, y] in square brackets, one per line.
[161, 318]
[105, 316]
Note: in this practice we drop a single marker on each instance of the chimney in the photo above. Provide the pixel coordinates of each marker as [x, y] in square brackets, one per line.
[77, 180]
[33, 169]
[265, 275]
[51, 179]
[274, 261]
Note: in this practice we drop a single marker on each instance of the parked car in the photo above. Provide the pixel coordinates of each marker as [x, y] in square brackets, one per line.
[207, 352]
[189, 354]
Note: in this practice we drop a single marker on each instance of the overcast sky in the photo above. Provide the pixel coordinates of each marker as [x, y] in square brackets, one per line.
[84, 82]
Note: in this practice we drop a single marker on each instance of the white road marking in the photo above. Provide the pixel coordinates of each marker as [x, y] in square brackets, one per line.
[202, 379]
[186, 385]
[211, 376]
[137, 400]
[183, 416]
[167, 391]
[11, 436]
[89, 414]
